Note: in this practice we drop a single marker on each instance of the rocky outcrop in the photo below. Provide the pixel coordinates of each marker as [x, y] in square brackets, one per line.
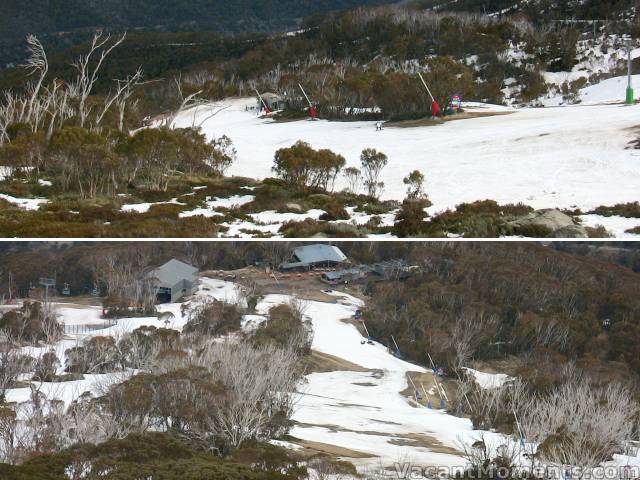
[558, 224]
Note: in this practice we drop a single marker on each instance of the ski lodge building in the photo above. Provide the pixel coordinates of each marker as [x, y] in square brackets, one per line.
[174, 280]
[315, 256]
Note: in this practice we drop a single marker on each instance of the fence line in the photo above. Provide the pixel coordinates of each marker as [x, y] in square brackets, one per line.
[85, 329]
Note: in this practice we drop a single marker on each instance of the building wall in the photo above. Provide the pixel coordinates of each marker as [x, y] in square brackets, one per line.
[177, 290]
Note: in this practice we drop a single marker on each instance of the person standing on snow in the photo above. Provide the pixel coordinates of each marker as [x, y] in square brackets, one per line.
[378, 126]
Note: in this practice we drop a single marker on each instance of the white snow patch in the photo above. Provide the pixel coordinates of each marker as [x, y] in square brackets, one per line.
[144, 207]
[612, 90]
[208, 210]
[488, 380]
[271, 217]
[231, 202]
[616, 226]
[26, 203]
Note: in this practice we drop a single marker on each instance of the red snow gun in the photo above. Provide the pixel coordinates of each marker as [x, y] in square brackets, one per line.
[435, 109]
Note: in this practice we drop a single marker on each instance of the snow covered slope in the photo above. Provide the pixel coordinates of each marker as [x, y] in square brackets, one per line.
[612, 90]
[555, 157]
[364, 411]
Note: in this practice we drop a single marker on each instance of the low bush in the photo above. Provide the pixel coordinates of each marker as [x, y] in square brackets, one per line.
[309, 228]
[151, 455]
[214, 318]
[285, 328]
[627, 210]
[98, 355]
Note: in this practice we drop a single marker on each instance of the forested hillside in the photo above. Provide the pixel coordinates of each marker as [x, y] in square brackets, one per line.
[542, 10]
[65, 23]
[218, 15]
[70, 125]
[236, 380]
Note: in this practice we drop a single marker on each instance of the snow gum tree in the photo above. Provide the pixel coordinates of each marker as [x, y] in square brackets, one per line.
[353, 176]
[415, 184]
[305, 168]
[373, 162]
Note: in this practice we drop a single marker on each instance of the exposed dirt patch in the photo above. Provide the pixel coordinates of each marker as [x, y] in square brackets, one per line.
[428, 122]
[403, 439]
[384, 422]
[319, 362]
[634, 144]
[338, 428]
[428, 390]
[313, 448]
[424, 441]
[509, 366]
[305, 285]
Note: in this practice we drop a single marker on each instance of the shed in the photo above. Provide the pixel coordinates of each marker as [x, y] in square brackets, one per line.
[174, 280]
[345, 276]
[274, 101]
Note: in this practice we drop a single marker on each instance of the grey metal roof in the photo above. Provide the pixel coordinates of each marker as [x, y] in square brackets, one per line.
[319, 253]
[334, 275]
[174, 271]
[359, 270]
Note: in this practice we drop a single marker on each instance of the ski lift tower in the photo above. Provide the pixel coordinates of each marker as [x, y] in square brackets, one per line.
[630, 92]
[47, 283]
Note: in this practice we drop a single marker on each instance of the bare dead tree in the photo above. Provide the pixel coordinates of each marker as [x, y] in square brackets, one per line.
[37, 64]
[186, 103]
[88, 69]
[248, 292]
[580, 424]
[12, 363]
[258, 390]
[124, 91]
[58, 106]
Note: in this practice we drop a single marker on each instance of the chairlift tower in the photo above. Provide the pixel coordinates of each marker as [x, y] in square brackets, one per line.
[47, 283]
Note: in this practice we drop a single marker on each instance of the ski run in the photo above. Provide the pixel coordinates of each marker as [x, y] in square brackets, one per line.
[564, 157]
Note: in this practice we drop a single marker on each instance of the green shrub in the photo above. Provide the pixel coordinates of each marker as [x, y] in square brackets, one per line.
[627, 210]
[151, 455]
[214, 318]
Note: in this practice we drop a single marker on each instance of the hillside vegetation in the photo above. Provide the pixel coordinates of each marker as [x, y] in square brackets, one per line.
[540, 305]
[70, 122]
[197, 389]
[65, 23]
[529, 306]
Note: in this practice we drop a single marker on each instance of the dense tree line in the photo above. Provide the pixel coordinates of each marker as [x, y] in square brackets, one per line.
[540, 10]
[351, 62]
[488, 302]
